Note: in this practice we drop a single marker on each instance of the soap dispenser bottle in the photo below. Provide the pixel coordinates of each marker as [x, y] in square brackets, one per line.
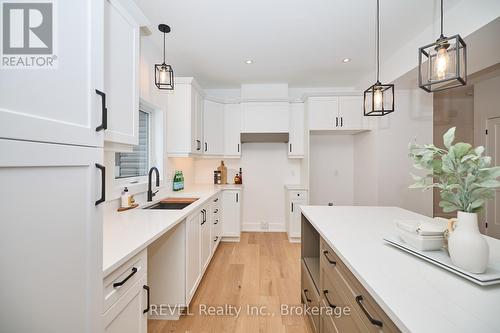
[125, 198]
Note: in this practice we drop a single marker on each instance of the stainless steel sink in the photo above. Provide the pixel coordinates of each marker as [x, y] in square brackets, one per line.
[172, 203]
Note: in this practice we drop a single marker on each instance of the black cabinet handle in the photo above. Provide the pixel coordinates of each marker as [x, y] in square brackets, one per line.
[238, 147]
[292, 207]
[216, 238]
[216, 222]
[290, 147]
[336, 121]
[325, 253]
[359, 300]
[104, 121]
[333, 306]
[237, 197]
[148, 291]
[103, 183]
[341, 121]
[204, 218]
[216, 210]
[122, 282]
[216, 199]
[206, 146]
[198, 145]
[305, 294]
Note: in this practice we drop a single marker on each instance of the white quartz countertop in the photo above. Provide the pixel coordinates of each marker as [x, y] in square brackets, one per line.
[127, 233]
[418, 296]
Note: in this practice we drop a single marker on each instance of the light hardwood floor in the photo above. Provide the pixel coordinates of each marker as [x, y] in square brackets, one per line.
[262, 270]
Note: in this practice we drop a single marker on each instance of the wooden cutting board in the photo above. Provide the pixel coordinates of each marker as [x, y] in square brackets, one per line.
[178, 200]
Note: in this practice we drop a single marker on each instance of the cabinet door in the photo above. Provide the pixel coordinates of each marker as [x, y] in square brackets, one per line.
[232, 130]
[295, 220]
[60, 105]
[213, 123]
[121, 73]
[351, 112]
[206, 240]
[296, 144]
[127, 314]
[50, 238]
[323, 112]
[231, 213]
[265, 117]
[193, 263]
[197, 121]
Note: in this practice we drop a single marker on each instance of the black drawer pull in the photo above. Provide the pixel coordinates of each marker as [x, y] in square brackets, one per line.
[216, 238]
[216, 199]
[216, 221]
[103, 183]
[148, 292]
[325, 253]
[104, 122]
[305, 294]
[359, 300]
[333, 306]
[216, 210]
[121, 283]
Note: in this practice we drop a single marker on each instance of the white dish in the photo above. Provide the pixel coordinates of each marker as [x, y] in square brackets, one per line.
[422, 243]
[441, 259]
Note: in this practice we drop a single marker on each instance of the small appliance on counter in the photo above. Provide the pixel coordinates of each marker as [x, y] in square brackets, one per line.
[178, 182]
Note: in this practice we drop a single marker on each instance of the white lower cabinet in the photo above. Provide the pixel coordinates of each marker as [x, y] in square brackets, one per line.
[193, 260]
[294, 200]
[127, 297]
[231, 211]
[206, 239]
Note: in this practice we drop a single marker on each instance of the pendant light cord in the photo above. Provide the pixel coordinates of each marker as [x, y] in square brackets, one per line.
[442, 36]
[378, 41]
[163, 47]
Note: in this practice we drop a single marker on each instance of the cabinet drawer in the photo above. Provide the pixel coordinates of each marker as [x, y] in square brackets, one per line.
[362, 303]
[344, 317]
[295, 195]
[120, 280]
[310, 296]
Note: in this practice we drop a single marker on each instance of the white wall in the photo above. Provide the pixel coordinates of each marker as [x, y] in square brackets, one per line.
[412, 120]
[486, 105]
[331, 168]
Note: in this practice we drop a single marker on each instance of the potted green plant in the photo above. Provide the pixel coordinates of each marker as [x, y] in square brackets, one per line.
[466, 181]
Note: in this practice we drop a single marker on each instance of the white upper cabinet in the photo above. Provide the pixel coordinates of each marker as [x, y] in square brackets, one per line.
[184, 119]
[296, 144]
[323, 112]
[351, 112]
[232, 130]
[213, 125]
[122, 22]
[336, 113]
[59, 105]
[265, 117]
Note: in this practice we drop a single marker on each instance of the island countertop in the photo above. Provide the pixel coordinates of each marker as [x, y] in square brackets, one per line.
[416, 295]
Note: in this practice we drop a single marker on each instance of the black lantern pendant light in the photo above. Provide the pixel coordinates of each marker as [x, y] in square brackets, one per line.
[164, 74]
[442, 64]
[379, 98]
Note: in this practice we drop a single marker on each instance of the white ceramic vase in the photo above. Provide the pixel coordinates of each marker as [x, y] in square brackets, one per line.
[467, 246]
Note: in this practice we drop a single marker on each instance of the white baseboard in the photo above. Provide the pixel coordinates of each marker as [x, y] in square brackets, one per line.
[230, 239]
[257, 227]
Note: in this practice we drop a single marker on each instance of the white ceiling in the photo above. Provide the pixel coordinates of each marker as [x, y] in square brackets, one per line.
[301, 42]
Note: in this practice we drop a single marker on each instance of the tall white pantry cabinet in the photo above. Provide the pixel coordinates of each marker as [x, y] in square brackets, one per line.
[52, 133]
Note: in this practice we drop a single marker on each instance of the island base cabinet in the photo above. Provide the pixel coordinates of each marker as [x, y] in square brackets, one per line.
[127, 314]
[309, 296]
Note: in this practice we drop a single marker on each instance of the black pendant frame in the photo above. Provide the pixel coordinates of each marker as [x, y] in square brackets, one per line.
[164, 71]
[424, 59]
[369, 96]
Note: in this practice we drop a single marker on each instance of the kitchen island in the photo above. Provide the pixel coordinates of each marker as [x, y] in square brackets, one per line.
[391, 290]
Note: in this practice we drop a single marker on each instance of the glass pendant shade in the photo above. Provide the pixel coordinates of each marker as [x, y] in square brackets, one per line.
[164, 76]
[443, 64]
[379, 100]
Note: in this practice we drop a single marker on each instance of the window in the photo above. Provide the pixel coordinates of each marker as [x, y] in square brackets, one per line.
[136, 163]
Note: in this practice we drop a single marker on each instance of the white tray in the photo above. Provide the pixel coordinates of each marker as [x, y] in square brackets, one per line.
[440, 258]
